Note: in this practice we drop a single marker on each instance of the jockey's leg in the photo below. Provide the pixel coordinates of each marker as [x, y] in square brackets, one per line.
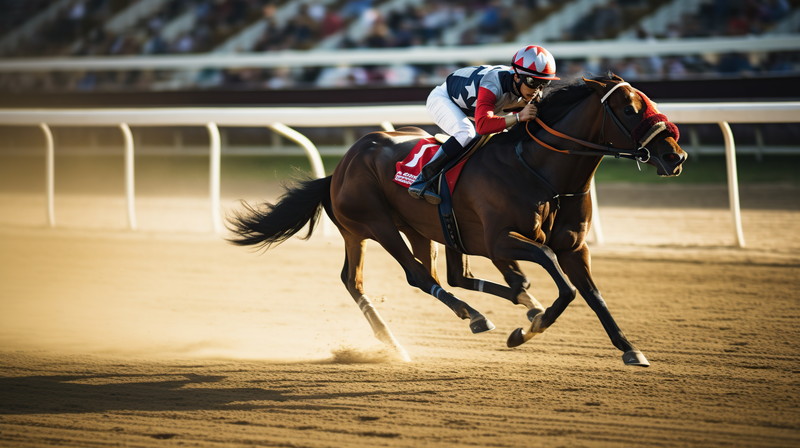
[422, 185]
[452, 120]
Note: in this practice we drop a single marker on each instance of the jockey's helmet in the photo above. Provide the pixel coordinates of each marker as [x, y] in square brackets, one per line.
[535, 62]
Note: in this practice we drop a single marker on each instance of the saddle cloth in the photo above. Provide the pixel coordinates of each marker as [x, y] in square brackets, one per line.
[409, 168]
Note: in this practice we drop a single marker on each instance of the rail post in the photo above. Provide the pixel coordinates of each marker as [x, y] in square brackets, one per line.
[215, 164]
[130, 193]
[733, 182]
[49, 174]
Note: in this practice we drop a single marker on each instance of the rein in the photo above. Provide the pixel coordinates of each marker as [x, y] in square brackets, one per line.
[652, 125]
[640, 154]
[593, 148]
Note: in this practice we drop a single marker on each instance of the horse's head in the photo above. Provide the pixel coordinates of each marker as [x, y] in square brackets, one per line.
[632, 119]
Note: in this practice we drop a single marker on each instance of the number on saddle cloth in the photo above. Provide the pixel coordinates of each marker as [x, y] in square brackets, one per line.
[409, 168]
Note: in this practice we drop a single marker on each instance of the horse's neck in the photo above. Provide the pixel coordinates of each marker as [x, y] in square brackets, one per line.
[565, 173]
[570, 173]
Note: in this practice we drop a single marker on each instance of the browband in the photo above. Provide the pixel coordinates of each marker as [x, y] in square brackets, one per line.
[605, 97]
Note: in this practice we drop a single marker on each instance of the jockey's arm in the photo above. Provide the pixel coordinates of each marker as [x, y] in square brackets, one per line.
[486, 122]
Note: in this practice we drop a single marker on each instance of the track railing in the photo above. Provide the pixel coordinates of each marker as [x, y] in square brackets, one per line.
[281, 120]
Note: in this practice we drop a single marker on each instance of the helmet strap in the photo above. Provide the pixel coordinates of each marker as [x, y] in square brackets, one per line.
[517, 83]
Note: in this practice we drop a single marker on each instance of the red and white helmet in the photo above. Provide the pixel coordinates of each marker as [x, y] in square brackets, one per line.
[535, 61]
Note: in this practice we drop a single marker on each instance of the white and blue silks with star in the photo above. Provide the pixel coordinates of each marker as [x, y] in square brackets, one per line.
[453, 103]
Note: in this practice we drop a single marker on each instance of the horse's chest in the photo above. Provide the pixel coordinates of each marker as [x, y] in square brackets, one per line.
[543, 221]
[559, 229]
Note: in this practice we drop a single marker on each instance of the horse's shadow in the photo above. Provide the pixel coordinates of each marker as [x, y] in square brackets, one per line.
[65, 394]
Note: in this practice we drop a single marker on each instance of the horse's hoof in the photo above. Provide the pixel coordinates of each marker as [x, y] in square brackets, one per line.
[515, 339]
[635, 358]
[481, 324]
[532, 313]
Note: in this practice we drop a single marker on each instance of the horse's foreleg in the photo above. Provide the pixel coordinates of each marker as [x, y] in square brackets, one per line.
[576, 266]
[517, 247]
[353, 279]
[458, 274]
[519, 286]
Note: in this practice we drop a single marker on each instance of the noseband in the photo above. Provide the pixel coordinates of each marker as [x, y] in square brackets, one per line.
[652, 125]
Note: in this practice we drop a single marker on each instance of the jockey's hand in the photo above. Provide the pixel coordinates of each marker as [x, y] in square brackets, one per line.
[528, 112]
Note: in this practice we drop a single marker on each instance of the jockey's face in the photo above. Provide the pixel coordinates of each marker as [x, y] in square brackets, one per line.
[530, 88]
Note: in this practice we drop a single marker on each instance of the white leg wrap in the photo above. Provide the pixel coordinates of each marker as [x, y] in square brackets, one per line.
[380, 328]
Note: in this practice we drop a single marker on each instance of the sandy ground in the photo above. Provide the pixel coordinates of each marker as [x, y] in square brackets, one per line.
[168, 336]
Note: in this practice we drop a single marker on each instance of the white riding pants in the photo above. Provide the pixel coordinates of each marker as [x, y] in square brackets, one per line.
[449, 117]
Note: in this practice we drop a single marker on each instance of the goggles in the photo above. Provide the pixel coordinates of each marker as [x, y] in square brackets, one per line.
[534, 83]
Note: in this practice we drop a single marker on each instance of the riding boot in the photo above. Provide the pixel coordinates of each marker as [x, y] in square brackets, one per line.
[423, 183]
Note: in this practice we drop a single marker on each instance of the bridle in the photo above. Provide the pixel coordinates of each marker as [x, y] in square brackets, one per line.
[638, 151]
[655, 124]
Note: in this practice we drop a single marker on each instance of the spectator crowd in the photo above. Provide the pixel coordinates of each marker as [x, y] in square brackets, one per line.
[201, 26]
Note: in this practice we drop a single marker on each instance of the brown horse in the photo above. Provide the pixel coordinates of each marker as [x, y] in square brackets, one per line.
[523, 196]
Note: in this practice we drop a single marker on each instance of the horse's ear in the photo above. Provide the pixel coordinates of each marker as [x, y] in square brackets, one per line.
[595, 84]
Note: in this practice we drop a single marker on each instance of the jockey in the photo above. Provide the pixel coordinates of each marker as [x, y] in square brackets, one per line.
[470, 101]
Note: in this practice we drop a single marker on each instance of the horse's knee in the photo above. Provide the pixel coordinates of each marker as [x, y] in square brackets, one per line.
[419, 280]
[455, 278]
[567, 294]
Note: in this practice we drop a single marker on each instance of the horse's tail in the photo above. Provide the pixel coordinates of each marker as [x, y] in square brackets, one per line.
[275, 223]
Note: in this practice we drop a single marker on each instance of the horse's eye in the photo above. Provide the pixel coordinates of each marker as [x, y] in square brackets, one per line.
[629, 110]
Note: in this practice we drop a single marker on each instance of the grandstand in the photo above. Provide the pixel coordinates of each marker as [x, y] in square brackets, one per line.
[113, 28]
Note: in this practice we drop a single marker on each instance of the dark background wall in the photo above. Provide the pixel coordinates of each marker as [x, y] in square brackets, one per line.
[717, 89]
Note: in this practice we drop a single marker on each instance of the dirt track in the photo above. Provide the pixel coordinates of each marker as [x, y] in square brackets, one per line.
[161, 339]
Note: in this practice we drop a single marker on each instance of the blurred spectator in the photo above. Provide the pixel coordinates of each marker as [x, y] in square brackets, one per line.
[734, 64]
[332, 23]
[355, 8]
[343, 76]
[302, 30]
[674, 68]
[494, 24]
[80, 30]
[629, 69]
[378, 36]
[184, 43]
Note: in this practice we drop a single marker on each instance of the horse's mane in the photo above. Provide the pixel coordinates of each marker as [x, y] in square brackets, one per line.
[563, 96]
[558, 100]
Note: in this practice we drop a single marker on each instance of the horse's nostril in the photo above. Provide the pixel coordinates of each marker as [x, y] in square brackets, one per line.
[672, 157]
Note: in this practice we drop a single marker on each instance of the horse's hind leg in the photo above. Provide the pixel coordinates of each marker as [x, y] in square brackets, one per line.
[425, 250]
[459, 274]
[353, 279]
[420, 276]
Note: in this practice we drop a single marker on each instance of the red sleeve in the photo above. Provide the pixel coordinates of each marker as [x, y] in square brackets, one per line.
[485, 120]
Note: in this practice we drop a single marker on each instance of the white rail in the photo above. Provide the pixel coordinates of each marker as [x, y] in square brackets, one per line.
[416, 55]
[280, 120]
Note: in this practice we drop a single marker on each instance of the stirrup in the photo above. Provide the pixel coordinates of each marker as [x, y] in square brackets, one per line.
[417, 189]
[431, 197]
[423, 190]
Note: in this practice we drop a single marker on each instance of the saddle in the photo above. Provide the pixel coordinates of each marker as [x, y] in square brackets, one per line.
[409, 168]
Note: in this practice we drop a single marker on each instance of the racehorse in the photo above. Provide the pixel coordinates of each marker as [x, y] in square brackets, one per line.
[525, 195]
